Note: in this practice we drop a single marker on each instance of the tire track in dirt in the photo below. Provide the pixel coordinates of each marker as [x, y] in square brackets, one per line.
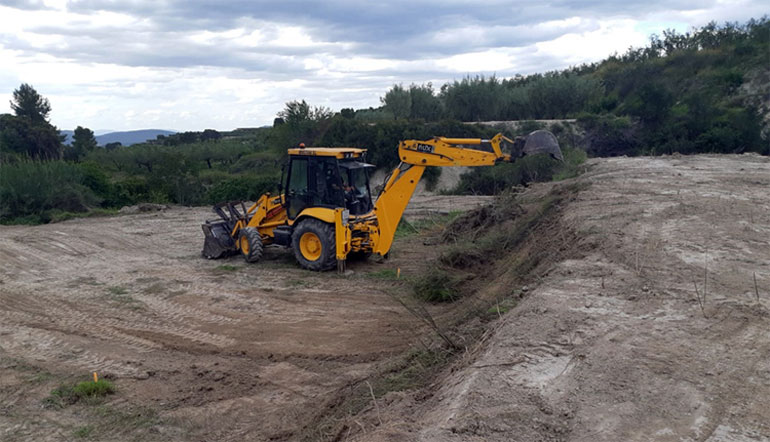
[20, 341]
[228, 350]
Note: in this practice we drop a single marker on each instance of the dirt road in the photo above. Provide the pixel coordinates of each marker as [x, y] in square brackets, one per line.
[653, 330]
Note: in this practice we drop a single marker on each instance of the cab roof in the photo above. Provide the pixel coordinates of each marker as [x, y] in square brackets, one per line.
[337, 152]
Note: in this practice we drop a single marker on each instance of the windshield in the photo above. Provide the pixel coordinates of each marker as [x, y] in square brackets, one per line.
[355, 180]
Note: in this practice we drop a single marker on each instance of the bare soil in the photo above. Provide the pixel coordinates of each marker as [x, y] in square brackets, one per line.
[198, 349]
[650, 327]
[610, 341]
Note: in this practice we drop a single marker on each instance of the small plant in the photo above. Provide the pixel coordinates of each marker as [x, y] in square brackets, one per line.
[120, 296]
[406, 229]
[70, 394]
[117, 290]
[500, 308]
[297, 283]
[227, 268]
[100, 388]
[438, 286]
[412, 372]
[83, 432]
[384, 274]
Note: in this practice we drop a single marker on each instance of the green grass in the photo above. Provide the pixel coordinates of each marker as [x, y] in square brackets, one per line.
[86, 391]
[501, 308]
[41, 377]
[383, 274]
[573, 158]
[297, 283]
[102, 387]
[437, 286]
[120, 296]
[83, 432]
[417, 367]
[227, 268]
[406, 228]
[117, 290]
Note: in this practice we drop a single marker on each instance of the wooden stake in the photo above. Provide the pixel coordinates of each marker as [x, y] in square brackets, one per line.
[756, 289]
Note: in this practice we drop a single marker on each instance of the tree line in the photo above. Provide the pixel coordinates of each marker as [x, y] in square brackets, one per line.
[682, 93]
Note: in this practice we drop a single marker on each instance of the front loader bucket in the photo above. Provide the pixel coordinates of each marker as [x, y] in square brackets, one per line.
[217, 242]
[542, 141]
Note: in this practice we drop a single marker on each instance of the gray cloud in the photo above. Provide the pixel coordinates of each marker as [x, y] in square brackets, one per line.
[359, 48]
[24, 4]
[399, 29]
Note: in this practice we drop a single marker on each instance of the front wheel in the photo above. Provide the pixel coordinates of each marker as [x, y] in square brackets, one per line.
[314, 245]
[250, 243]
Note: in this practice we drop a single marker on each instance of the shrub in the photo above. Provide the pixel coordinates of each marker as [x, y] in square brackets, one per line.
[496, 179]
[437, 286]
[32, 190]
[243, 187]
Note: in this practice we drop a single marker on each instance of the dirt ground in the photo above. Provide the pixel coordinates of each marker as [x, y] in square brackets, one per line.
[610, 344]
[655, 330]
[198, 349]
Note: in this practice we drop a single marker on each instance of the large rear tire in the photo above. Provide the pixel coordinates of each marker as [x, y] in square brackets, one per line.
[314, 245]
[250, 243]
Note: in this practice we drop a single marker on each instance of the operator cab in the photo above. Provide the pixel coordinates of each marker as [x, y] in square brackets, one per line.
[329, 178]
[355, 183]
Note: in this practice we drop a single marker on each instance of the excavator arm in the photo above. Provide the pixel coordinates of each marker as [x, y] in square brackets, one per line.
[440, 151]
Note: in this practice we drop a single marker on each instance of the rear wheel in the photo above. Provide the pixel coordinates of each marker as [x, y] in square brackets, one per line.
[314, 245]
[250, 243]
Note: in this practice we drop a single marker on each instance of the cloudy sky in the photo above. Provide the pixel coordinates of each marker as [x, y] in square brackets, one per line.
[196, 64]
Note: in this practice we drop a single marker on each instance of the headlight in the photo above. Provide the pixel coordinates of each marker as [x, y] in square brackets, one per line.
[345, 217]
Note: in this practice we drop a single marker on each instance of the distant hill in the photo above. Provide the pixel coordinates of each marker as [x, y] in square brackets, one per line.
[125, 138]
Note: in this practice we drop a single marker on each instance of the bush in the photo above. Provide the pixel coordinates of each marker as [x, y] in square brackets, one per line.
[30, 191]
[241, 188]
[437, 286]
[536, 168]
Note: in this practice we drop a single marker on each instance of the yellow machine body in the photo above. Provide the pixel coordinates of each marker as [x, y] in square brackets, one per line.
[314, 231]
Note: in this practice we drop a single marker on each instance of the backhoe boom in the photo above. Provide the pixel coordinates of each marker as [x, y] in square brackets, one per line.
[445, 152]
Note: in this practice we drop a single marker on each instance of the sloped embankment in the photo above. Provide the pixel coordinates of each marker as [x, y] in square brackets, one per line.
[647, 321]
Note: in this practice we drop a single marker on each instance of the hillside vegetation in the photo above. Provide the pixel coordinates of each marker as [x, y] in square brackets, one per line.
[703, 91]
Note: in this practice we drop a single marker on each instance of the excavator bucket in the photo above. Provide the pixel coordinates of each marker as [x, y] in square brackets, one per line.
[542, 141]
[217, 242]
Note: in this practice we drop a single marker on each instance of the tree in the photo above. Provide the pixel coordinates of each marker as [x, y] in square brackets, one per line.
[27, 103]
[83, 141]
[348, 113]
[425, 104]
[398, 102]
[28, 133]
[295, 112]
[210, 134]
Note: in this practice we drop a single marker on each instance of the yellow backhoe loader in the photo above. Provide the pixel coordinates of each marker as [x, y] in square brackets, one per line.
[326, 213]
